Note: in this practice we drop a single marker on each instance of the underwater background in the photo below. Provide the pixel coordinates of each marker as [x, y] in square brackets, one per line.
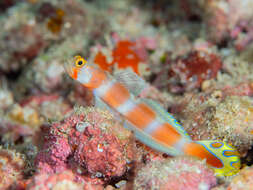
[196, 55]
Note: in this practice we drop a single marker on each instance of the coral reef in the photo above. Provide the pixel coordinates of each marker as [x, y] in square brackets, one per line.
[189, 73]
[99, 145]
[26, 117]
[64, 180]
[229, 20]
[218, 116]
[196, 56]
[179, 173]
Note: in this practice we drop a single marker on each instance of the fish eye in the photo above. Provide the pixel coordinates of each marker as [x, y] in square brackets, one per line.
[79, 61]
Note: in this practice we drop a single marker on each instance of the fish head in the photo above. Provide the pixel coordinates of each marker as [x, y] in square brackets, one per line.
[88, 75]
[75, 66]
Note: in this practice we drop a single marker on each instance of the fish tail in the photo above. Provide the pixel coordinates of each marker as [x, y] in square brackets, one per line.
[228, 155]
[200, 151]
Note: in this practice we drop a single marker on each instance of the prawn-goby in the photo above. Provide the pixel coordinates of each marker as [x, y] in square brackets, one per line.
[89, 76]
[151, 123]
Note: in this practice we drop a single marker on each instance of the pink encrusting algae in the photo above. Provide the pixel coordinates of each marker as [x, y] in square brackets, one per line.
[181, 173]
[92, 143]
[59, 181]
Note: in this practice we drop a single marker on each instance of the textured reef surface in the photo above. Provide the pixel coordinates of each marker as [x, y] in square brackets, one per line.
[196, 55]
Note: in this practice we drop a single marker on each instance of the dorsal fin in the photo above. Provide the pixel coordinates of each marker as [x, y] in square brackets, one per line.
[134, 83]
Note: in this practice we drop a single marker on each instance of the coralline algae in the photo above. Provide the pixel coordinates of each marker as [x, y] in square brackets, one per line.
[178, 173]
[92, 144]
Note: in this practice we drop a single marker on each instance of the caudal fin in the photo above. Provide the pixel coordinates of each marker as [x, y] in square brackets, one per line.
[224, 159]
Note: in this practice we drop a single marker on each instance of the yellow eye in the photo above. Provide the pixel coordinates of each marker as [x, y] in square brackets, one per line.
[79, 61]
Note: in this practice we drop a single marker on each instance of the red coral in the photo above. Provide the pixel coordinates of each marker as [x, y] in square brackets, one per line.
[126, 54]
[191, 71]
[100, 59]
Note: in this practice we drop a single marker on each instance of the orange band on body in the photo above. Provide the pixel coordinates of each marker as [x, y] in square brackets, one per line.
[98, 77]
[166, 134]
[200, 151]
[116, 95]
[141, 115]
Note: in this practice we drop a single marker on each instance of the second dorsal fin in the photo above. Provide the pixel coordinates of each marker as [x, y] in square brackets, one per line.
[134, 83]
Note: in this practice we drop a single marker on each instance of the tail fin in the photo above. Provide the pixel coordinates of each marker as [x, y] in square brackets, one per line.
[223, 158]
